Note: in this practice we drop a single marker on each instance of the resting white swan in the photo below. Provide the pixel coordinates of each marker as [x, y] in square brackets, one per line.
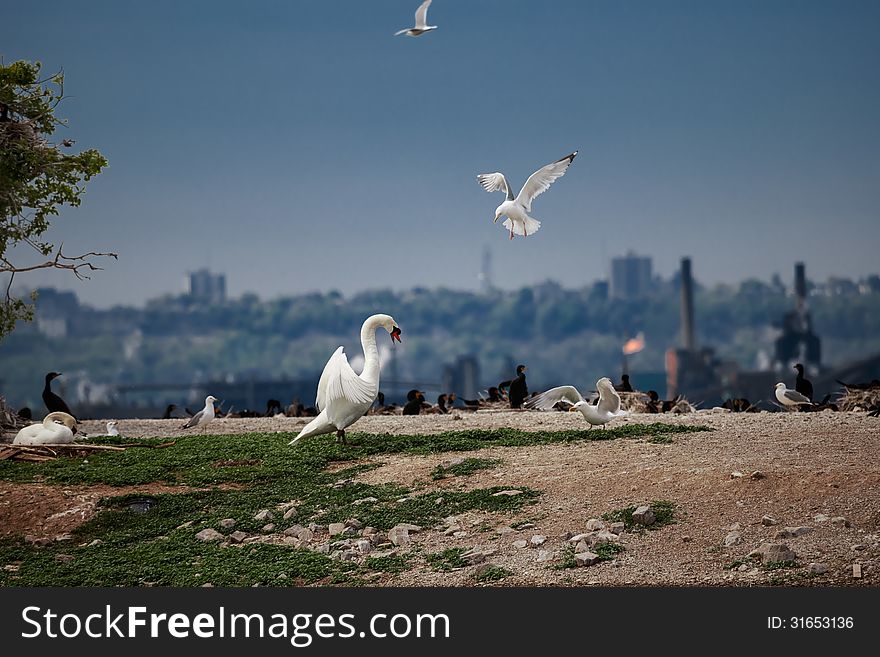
[344, 396]
[55, 429]
[606, 410]
[204, 416]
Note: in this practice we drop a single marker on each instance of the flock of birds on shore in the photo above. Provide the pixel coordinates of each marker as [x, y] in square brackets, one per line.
[343, 397]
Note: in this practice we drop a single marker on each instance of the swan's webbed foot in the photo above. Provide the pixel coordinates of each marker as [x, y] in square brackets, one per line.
[340, 437]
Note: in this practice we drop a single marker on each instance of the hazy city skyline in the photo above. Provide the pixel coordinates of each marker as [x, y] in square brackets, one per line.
[284, 143]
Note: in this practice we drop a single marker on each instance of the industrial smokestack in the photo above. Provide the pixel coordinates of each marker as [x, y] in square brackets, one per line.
[800, 285]
[687, 306]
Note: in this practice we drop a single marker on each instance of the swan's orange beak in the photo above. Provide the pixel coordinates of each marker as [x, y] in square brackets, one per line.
[395, 334]
[572, 409]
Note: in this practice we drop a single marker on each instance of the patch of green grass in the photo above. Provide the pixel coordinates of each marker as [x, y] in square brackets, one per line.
[781, 565]
[660, 440]
[747, 561]
[447, 560]
[567, 561]
[664, 514]
[463, 469]
[395, 563]
[607, 551]
[492, 574]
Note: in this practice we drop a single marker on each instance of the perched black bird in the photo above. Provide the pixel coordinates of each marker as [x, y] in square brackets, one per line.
[653, 405]
[25, 413]
[168, 411]
[801, 384]
[414, 399]
[517, 390]
[625, 385]
[52, 401]
[875, 383]
[273, 407]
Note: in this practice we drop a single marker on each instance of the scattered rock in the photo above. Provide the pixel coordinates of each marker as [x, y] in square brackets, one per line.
[743, 567]
[476, 555]
[586, 558]
[520, 544]
[769, 521]
[821, 517]
[643, 515]
[354, 523]
[336, 528]
[412, 529]
[290, 513]
[734, 527]
[604, 536]
[63, 558]
[399, 536]
[587, 536]
[323, 548]
[792, 532]
[757, 474]
[526, 525]
[733, 538]
[451, 530]
[594, 524]
[545, 555]
[209, 535]
[449, 463]
[263, 514]
[774, 553]
[840, 521]
[857, 571]
[859, 547]
[736, 474]
[582, 547]
[97, 541]
[439, 500]
[617, 528]
[364, 546]
[305, 535]
[227, 523]
[269, 528]
[537, 540]
[508, 493]
[366, 500]
[459, 534]
[505, 530]
[293, 530]
[685, 539]
[818, 568]
[237, 536]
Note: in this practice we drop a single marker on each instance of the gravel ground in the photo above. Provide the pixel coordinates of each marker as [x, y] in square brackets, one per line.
[812, 463]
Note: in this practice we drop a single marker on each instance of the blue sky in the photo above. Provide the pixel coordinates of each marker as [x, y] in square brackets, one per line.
[299, 146]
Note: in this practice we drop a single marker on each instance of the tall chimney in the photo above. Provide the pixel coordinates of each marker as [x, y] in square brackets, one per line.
[800, 285]
[687, 306]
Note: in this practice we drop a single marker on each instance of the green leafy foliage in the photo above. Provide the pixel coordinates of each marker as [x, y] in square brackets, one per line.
[467, 467]
[664, 514]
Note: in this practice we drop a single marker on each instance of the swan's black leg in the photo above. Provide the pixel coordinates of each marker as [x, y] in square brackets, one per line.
[340, 436]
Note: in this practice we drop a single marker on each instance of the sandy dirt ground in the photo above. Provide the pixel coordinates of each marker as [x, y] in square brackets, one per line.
[815, 467]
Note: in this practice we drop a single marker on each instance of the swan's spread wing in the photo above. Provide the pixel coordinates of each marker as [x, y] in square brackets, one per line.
[540, 181]
[547, 400]
[609, 400]
[422, 15]
[338, 381]
[494, 182]
[795, 396]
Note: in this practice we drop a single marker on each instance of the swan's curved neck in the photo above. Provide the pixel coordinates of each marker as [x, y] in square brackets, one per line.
[371, 353]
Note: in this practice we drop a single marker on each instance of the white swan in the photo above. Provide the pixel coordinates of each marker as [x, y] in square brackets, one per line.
[203, 416]
[55, 429]
[606, 410]
[344, 396]
[517, 208]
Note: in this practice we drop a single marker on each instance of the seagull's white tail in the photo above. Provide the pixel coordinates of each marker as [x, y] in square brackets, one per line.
[316, 427]
[531, 226]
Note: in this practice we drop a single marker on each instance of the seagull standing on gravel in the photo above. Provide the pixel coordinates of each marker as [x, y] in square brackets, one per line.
[790, 398]
[204, 416]
[517, 208]
[421, 22]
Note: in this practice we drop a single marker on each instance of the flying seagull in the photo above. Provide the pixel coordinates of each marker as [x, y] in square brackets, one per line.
[604, 411]
[421, 25]
[517, 208]
[790, 398]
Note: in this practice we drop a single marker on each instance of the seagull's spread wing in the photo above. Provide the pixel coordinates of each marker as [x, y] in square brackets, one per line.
[547, 400]
[338, 380]
[194, 420]
[795, 396]
[422, 15]
[540, 181]
[609, 400]
[494, 182]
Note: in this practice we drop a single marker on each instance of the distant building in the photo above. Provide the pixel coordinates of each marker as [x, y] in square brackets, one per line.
[207, 287]
[630, 276]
